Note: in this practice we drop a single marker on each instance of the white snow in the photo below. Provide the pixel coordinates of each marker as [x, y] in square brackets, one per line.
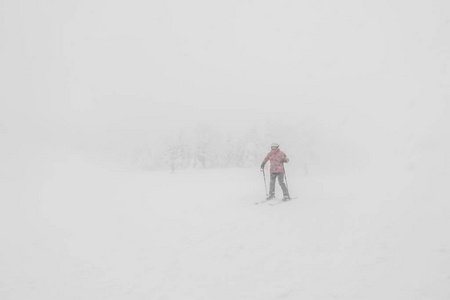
[357, 93]
[72, 229]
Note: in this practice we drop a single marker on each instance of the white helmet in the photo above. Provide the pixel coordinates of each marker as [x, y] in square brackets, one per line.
[274, 145]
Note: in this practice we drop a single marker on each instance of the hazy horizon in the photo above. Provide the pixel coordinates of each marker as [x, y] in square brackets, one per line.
[363, 72]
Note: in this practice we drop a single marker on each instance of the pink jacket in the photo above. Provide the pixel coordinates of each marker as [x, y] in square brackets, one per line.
[276, 161]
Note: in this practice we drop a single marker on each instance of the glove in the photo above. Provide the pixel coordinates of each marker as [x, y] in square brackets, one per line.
[262, 167]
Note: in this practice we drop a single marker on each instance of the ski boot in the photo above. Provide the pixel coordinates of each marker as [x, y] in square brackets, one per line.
[270, 197]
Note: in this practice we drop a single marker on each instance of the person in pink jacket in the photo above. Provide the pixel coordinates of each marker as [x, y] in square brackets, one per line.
[277, 159]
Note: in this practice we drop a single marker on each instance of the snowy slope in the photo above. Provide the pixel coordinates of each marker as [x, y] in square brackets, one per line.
[72, 230]
[357, 91]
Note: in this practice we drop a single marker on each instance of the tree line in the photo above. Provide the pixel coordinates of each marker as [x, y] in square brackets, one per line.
[204, 146]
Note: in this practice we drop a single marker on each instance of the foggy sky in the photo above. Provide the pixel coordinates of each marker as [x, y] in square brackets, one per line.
[362, 67]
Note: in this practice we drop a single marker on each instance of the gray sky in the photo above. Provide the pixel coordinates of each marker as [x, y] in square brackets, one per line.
[168, 64]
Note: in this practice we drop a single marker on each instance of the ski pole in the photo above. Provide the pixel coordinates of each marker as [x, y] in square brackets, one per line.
[265, 184]
[285, 178]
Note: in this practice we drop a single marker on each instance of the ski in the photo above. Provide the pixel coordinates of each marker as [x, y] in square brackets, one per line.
[265, 200]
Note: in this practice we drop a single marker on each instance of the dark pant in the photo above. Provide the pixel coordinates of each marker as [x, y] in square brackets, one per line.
[273, 177]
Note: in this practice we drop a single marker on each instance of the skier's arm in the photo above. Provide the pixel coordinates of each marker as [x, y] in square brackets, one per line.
[285, 159]
[265, 160]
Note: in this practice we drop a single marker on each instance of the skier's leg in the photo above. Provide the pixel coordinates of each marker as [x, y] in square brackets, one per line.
[273, 177]
[283, 185]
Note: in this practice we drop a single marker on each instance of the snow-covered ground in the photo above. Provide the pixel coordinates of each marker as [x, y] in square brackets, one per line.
[71, 229]
[356, 92]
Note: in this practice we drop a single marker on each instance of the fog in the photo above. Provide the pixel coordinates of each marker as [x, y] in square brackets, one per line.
[358, 77]
[132, 133]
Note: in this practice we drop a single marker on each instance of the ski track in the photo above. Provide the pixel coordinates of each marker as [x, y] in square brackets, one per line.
[81, 232]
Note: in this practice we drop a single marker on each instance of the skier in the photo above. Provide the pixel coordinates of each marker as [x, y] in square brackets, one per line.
[277, 158]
